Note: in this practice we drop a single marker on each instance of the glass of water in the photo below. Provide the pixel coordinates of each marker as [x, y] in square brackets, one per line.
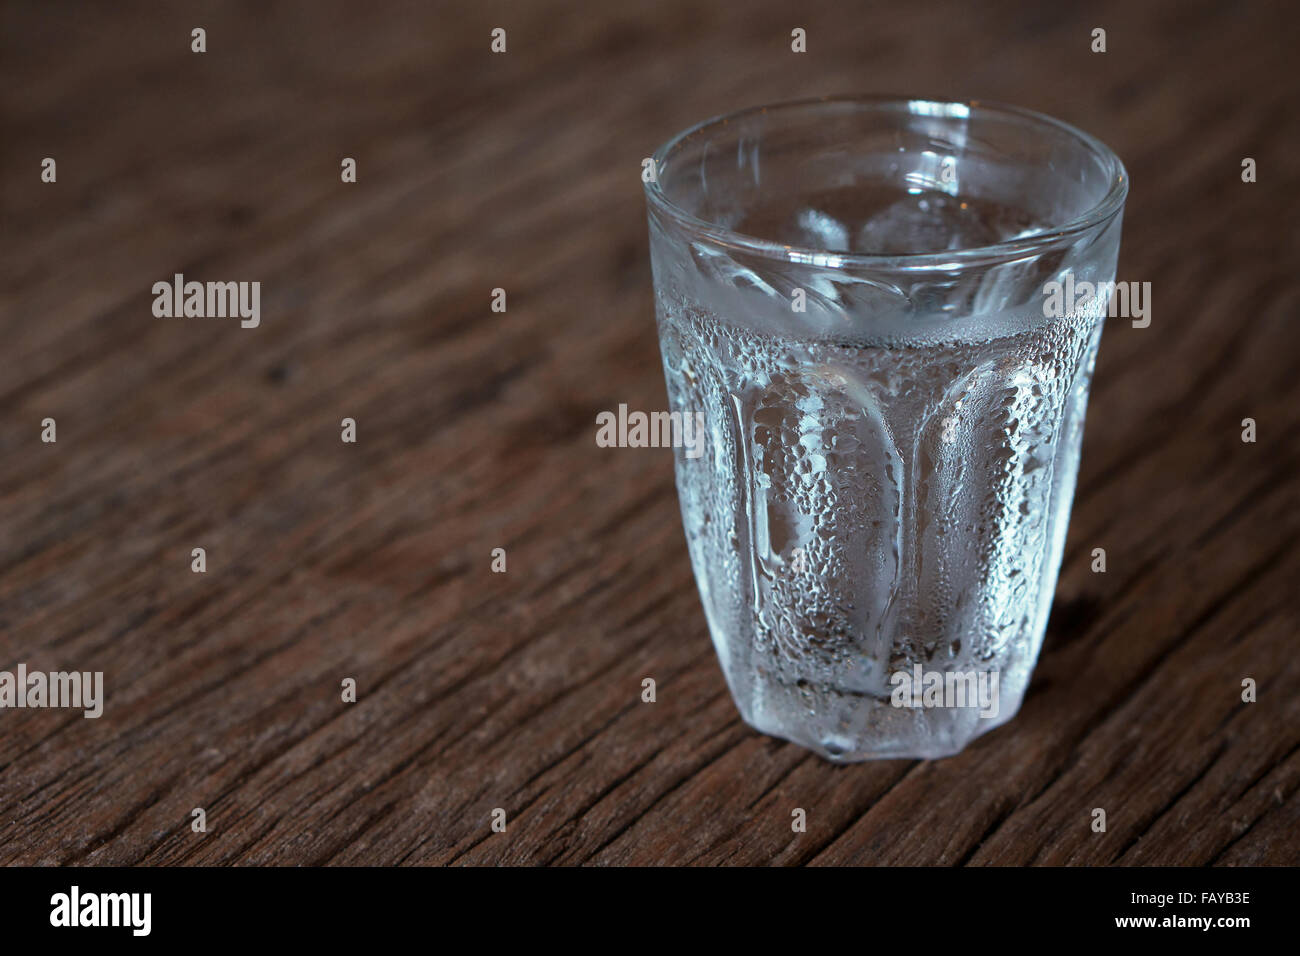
[864, 298]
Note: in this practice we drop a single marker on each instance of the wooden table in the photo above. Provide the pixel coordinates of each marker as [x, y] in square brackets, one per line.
[475, 430]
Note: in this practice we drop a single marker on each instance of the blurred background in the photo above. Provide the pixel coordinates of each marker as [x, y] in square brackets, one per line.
[475, 431]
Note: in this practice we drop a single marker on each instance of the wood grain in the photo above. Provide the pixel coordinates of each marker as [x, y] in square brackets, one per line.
[476, 430]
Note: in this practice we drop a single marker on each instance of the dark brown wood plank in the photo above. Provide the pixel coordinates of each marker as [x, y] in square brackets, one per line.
[371, 561]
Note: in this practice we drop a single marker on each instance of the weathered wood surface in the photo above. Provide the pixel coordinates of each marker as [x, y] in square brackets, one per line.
[476, 431]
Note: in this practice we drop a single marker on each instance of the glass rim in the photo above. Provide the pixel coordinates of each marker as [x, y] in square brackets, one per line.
[1005, 251]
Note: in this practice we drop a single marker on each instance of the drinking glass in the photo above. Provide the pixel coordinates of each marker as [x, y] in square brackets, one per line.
[858, 295]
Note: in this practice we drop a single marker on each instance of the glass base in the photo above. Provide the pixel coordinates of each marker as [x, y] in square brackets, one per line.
[864, 728]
